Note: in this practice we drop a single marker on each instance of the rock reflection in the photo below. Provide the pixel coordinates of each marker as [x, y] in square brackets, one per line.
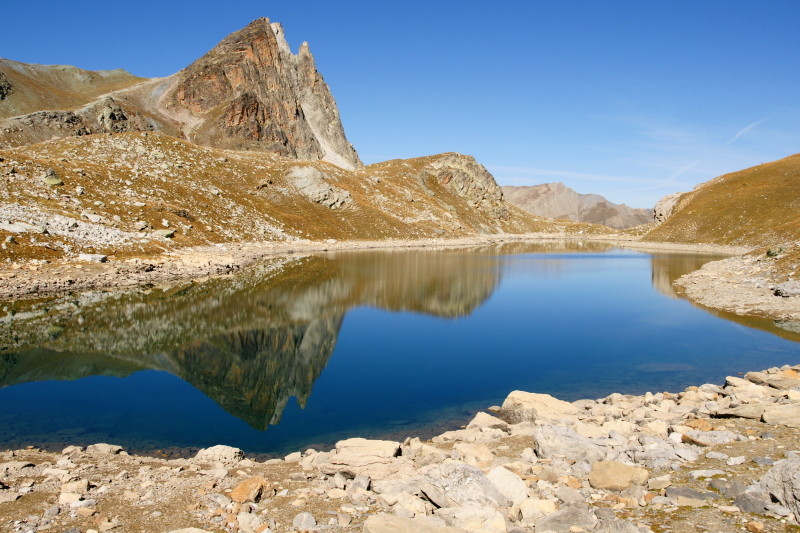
[249, 342]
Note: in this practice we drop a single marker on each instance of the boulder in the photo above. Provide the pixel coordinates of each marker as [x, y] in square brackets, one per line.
[563, 520]
[473, 518]
[394, 524]
[374, 458]
[472, 454]
[104, 449]
[783, 482]
[613, 475]
[782, 415]
[365, 447]
[220, 453]
[784, 379]
[456, 484]
[509, 484]
[249, 490]
[485, 420]
[558, 440]
[522, 406]
[304, 522]
[533, 509]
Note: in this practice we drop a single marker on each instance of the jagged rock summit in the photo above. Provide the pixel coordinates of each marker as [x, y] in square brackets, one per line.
[250, 92]
[556, 200]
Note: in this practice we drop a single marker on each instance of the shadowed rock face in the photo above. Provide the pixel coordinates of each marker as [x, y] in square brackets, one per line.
[250, 92]
[249, 342]
[555, 200]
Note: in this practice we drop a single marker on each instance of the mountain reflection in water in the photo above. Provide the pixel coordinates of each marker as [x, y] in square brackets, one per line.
[252, 341]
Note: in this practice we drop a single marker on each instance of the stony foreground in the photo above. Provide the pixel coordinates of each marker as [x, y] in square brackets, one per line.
[712, 458]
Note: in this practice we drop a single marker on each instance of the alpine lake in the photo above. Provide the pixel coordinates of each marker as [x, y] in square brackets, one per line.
[302, 351]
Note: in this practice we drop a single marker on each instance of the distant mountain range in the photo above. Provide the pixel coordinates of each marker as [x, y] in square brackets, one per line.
[556, 200]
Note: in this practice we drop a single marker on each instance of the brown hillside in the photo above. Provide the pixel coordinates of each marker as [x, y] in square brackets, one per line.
[31, 88]
[758, 206]
[116, 193]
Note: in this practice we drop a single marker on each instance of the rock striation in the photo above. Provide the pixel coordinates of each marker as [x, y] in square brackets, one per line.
[556, 200]
[250, 92]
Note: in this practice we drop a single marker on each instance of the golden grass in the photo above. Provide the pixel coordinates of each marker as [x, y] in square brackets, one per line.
[758, 206]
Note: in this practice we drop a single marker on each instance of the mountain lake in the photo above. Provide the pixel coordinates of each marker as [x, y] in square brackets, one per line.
[302, 351]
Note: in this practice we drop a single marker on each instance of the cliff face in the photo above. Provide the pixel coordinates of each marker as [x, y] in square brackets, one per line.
[556, 200]
[250, 92]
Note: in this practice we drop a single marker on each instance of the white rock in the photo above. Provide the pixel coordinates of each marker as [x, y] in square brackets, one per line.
[522, 406]
[509, 484]
[220, 453]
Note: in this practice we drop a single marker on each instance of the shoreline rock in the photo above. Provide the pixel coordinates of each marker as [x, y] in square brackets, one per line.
[620, 463]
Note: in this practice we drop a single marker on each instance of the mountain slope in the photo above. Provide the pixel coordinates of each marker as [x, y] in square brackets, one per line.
[248, 93]
[758, 206]
[28, 88]
[116, 195]
[556, 200]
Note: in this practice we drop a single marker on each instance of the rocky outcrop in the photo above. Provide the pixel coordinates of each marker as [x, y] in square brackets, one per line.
[664, 207]
[470, 180]
[5, 86]
[250, 92]
[556, 200]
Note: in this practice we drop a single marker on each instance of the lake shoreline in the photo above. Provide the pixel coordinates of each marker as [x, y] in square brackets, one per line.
[41, 280]
[617, 463]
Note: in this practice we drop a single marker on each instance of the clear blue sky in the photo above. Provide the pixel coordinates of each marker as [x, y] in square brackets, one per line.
[629, 99]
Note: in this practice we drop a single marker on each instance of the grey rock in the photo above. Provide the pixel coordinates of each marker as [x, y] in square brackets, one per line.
[220, 453]
[559, 440]
[753, 501]
[787, 289]
[686, 495]
[616, 526]
[782, 415]
[456, 484]
[664, 207]
[104, 449]
[562, 520]
[304, 522]
[783, 482]
[396, 524]
[314, 185]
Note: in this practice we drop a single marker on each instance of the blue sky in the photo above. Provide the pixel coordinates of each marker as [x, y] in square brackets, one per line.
[629, 99]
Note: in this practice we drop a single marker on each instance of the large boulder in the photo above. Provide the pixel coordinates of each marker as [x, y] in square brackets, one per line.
[509, 484]
[472, 518]
[394, 524]
[377, 459]
[782, 415]
[220, 453]
[455, 484]
[613, 475]
[522, 406]
[783, 482]
[559, 440]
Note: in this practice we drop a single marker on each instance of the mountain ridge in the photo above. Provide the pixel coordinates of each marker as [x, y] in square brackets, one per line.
[556, 200]
[249, 92]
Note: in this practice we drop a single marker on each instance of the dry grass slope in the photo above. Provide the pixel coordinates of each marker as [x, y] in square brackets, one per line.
[127, 186]
[758, 206]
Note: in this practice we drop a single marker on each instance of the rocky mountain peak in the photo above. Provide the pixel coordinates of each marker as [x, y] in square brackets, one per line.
[251, 92]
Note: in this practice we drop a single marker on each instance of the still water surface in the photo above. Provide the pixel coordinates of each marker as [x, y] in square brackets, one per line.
[300, 352]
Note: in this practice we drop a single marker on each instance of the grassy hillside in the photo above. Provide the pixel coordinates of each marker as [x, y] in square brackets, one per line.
[40, 87]
[112, 194]
[758, 206]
